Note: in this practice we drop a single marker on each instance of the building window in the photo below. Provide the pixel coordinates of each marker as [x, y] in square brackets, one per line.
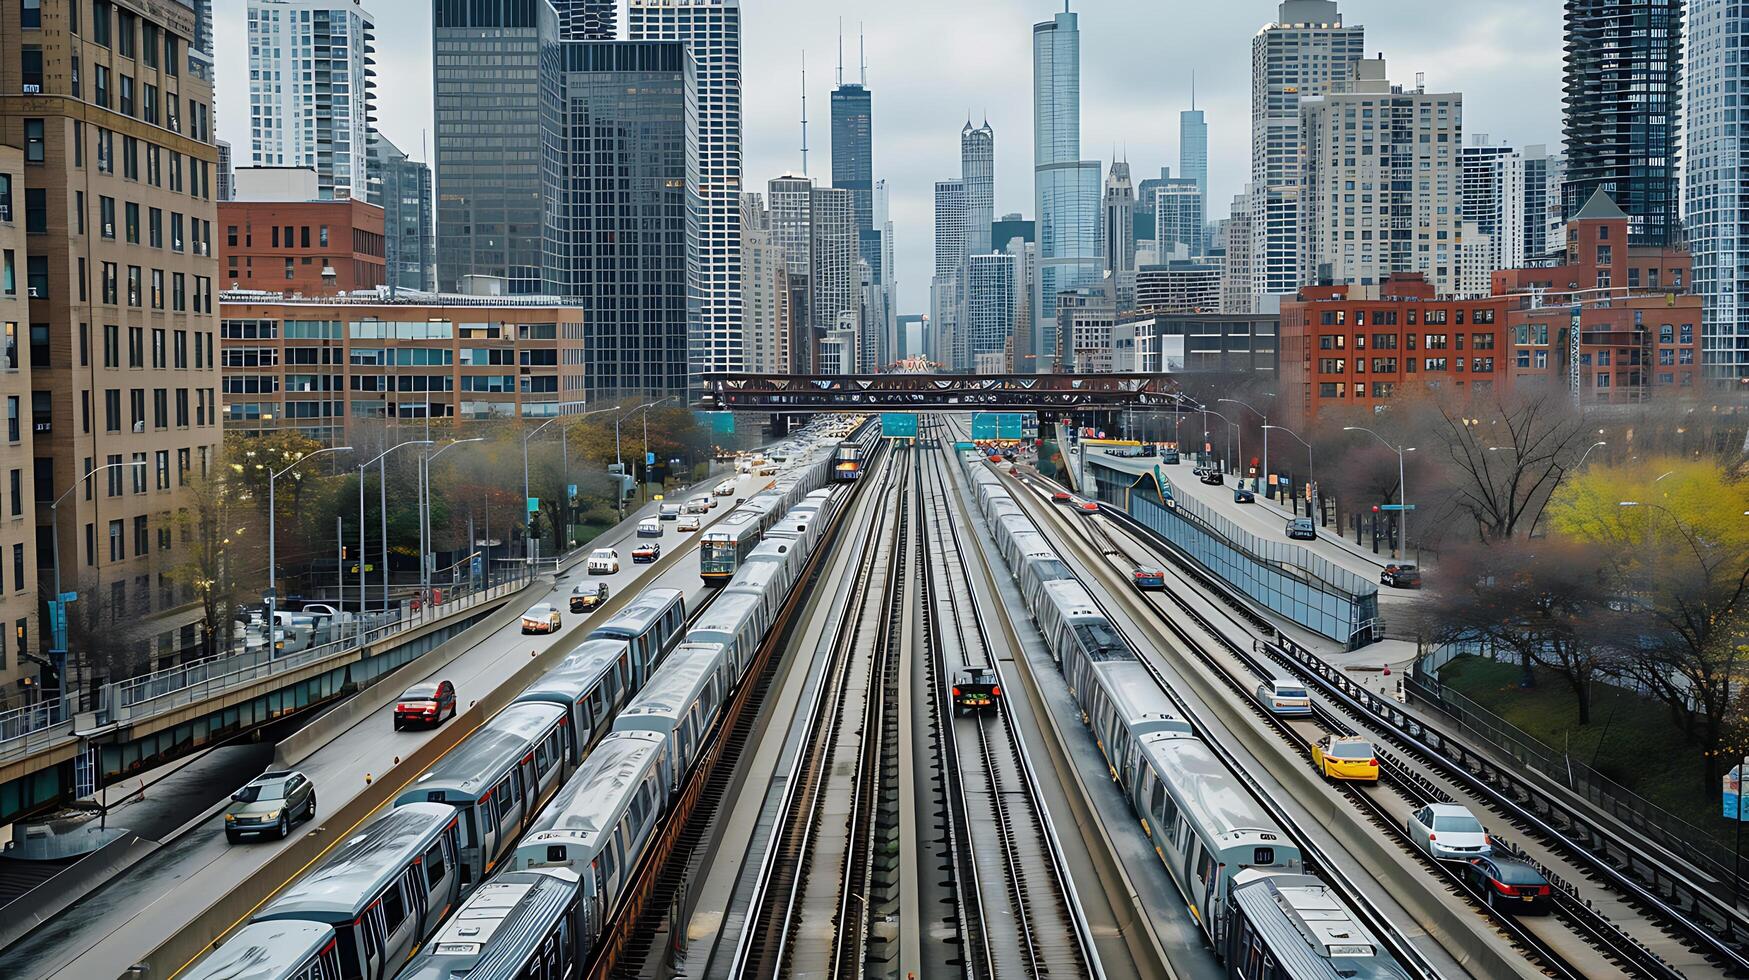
[35, 147]
[116, 544]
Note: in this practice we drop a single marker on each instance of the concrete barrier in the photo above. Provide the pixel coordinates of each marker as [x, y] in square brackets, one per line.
[50, 898]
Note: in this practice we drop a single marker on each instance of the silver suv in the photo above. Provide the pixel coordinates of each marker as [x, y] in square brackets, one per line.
[270, 804]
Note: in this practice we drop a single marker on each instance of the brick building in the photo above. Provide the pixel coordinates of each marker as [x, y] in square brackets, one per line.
[18, 578]
[313, 248]
[1638, 323]
[322, 364]
[1361, 346]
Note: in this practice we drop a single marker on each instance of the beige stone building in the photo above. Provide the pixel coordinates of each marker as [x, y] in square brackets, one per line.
[18, 589]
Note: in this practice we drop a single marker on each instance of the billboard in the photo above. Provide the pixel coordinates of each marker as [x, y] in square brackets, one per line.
[1004, 426]
[899, 425]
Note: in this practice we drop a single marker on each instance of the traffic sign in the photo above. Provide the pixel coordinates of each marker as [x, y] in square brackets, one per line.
[649, 459]
[1396, 507]
[533, 504]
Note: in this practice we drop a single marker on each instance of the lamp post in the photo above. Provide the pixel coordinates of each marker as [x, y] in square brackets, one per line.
[616, 454]
[425, 513]
[272, 597]
[1265, 417]
[1402, 487]
[1309, 477]
[527, 546]
[383, 497]
[1206, 411]
[60, 653]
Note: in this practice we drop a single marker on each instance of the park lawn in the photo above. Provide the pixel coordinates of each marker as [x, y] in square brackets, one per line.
[1631, 739]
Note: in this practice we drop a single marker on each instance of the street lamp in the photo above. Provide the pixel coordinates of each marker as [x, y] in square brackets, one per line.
[272, 597]
[1587, 454]
[1265, 417]
[1206, 411]
[60, 651]
[383, 506]
[616, 455]
[1402, 487]
[1310, 481]
[527, 546]
[425, 513]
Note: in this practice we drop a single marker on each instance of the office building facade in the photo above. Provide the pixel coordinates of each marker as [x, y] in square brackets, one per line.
[853, 150]
[765, 290]
[402, 188]
[587, 20]
[1184, 286]
[313, 248]
[1117, 225]
[978, 181]
[1494, 193]
[1717, 190]
[1179, 229]
[1305, 53]
[836, 285]
[1236, 278]
[1193, 153]
[1066, 189]
[312, 89]
[18, 536]
[711, 29]
[992, 303]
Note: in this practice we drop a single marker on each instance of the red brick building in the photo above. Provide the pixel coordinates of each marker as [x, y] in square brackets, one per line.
[1361, 346]
[1638, 325]
[313, 248]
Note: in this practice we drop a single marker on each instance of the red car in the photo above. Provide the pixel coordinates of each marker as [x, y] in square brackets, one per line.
[1062, 496]
[425, 704]
[1086, 506]
[1149, 578]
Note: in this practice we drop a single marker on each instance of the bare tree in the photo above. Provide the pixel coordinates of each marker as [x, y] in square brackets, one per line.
[1505, 455]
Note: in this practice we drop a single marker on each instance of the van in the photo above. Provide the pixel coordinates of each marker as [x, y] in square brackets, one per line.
[649, 527]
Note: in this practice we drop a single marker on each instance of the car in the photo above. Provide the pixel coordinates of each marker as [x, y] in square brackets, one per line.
[269, 804]
[541, 618]
[725, 489]
[646, 553]
[768, 470]
[604, 561]
[1346, 757]
[428, 703]
[649, 527]
[1401, 576]
[1448, 832]
[1211, 477]
[1302, 529]
[975, 688]
[1284, 697]
[1062, 496]
[586, 597]
[1086, 506]
[1150, 577]
[1244, 495]
[1509, 885]
[1169, 456]
[668, 512]
[698, 505]
[689, 522]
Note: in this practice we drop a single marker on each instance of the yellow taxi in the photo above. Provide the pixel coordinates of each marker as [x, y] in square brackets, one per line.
[1347, 757]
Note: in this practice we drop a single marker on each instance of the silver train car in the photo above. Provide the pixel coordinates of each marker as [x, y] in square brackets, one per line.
[520, 924]
[1295, 926]
[651, 623]
[592, 683]
[681, 705]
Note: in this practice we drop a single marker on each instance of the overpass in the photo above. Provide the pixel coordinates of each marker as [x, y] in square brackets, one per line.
[937, 392]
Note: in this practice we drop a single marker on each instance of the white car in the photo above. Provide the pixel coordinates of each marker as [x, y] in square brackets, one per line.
[689, 522]
[1448, 832]
[604, 561]
[725, 489]
[542, 618]
[699, 505]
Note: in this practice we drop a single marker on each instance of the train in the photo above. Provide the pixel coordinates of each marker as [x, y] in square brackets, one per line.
[847, 462]
[604, 739]
[1243, 879]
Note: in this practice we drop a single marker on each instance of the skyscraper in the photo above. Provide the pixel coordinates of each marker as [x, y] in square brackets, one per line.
[496, 107]
[1236, 295]
[853, 149]
[1301, 55]
[227, 174]
[1718, 182]
[792, 235]
[587, 20]
[1405, 225]
[1120, 239]
[1193, 148]
[765, 291]
[1543, 174]
[992, 302]
[836, 285]
[946, 286]
[311, 93]
[622, 241]
[1492, 193]
[712, 31]
[402, 188]
[978, 176]
[1179, 229]
[1066, 189]
[1623, 97]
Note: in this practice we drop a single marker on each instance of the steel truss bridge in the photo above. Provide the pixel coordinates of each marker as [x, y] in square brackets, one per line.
[937, 392]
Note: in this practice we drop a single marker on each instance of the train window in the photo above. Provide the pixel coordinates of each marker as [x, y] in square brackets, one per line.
[1157, 806]
[1205, 866]
[394, 908]
[1263, 855]
[502, 794]
[435, 866]
[555, 854]
[540, 756]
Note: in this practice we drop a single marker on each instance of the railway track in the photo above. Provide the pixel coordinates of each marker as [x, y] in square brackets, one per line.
[1581, 941]
[811, 912]
[1018, 915]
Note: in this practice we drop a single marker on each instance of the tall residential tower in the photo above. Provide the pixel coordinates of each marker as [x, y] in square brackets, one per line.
[1718, 182]
[1066, 188]
[311, 89]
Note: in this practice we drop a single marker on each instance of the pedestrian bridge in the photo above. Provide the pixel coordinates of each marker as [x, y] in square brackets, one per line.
[738, 392]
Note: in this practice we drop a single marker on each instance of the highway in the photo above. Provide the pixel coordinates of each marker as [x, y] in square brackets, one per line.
[102, 935]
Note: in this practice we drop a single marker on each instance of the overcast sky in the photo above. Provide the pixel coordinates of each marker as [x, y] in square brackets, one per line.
[931, 62]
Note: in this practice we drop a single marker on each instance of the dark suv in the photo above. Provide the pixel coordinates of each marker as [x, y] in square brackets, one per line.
[1401, 577]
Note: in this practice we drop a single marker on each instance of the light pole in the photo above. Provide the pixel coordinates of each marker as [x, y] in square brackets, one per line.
[425, 513]
[1206, 411]
[616, 454]
[1402, 488]
[1265, 417]
[383, 495]
[59, 654]
[272, 597]
[1587, 454]
[527, 546]
[1310, 481]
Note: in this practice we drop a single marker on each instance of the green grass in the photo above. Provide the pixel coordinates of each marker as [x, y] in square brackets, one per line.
[1631, 739]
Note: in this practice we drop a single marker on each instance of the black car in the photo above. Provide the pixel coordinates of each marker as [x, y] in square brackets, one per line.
[1212, 477]
[1401, 577]
[585, 597]
[1302, 529]
[1243, 494]
[974, 689]
[1509, 885]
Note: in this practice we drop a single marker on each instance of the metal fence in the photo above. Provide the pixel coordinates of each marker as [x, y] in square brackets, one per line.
[1698, 846]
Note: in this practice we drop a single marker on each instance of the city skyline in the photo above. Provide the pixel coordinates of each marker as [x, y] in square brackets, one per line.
[1126, 104]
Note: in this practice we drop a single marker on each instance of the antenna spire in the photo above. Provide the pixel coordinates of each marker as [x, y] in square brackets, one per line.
[1193, 90]
[840, 52]
[804, 112]
[861, 54]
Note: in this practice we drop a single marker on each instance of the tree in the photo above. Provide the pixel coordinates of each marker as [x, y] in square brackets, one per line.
[222, 549]
[1505, 455]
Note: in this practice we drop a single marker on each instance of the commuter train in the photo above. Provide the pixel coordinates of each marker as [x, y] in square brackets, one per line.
[1221, 848]
[728, 542]
[603, 739]
[847, 462]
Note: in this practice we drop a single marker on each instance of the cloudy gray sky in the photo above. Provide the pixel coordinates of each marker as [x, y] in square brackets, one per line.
[931, 62]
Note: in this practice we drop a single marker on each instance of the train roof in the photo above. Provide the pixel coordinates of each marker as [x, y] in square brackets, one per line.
[1207, 790]
[498, 927]
[682, 678]
[823, 495]
[1033, 545]
[595, 798]
[777, 550]
[637, 616]
[341, 887]
[468, 771]
[737, 524]
[1309, 929]
[1073, 598]
[726, 613]
[1138, 698]
[271, 950]
[578, 673]
[755, 577]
